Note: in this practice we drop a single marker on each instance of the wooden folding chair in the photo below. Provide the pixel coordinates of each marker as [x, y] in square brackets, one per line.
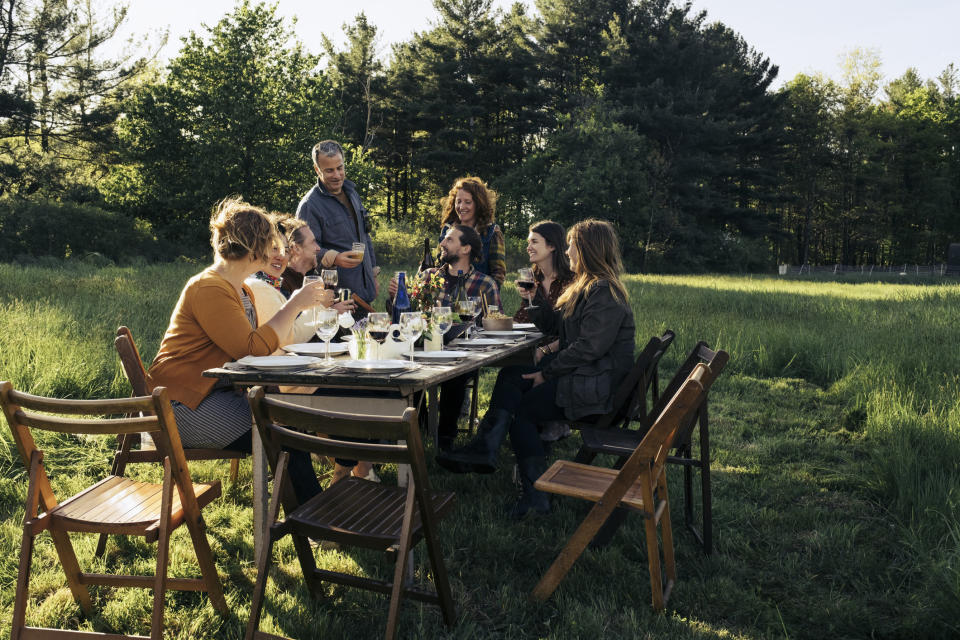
[640, 485]
[137, 376]
[353, 512]
[115, 505]
[622, 442]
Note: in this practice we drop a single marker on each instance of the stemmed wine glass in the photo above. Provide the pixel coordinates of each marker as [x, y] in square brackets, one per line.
[411, 326]
[378, 325]
[443, 318]
[329, 278]
[477, 309]
[326, 327]
[310, 280]
[526, 281]
[464, 309]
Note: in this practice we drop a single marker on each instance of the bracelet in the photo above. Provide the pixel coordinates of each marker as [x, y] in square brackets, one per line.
[544, 351]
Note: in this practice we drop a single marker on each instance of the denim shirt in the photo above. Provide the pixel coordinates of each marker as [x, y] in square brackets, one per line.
[336, 229]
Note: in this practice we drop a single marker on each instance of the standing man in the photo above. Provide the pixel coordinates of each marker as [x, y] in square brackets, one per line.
[335, 215]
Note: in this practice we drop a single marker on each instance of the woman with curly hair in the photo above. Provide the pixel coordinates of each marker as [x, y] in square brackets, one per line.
[215, 321]
[471, 203]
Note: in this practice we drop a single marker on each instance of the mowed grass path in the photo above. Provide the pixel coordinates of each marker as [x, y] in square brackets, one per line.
[836, 440]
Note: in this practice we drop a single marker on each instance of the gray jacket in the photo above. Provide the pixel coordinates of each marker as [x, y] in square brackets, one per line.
[335, 229]
[596, 351]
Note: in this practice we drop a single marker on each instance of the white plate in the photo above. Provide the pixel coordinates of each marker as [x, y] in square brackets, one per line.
[316, 348]
[278, 362]
[438, 356]
[377, 366]
[505, 334]
[524, 326]
[482, 342]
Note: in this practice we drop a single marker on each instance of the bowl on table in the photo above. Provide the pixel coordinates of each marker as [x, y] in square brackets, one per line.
[498, 324]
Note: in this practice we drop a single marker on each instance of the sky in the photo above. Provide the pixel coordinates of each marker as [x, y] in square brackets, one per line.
[805, 36]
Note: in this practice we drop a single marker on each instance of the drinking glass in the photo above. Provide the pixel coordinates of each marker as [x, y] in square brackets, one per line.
[411, 326]
[464, 308]
[329, 278]
[526, 281]
[310, 280]
[358, 249]
[443, 319]
[477, 309]
[378, 326]
[327, 326]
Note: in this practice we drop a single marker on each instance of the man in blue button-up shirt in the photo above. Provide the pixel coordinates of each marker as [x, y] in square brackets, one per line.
[337, 218]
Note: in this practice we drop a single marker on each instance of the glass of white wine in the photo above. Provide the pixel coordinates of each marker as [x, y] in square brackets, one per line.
[411, 326]
[326, 327]
[443, 319]
[310, 280]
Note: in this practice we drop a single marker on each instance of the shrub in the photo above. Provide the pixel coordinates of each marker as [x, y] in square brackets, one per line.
[35, 229]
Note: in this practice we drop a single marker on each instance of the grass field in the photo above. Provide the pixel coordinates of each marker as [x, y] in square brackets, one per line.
[836, 438]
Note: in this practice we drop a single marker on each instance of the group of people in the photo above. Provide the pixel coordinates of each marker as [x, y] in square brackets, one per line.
[251, 302]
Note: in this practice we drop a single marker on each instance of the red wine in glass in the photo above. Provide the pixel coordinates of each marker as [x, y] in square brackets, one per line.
[379, 336]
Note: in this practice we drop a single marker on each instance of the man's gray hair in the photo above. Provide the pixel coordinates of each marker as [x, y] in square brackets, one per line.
[327, 148]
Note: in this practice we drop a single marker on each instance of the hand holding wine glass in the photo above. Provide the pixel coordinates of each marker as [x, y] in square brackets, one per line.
[527, 285]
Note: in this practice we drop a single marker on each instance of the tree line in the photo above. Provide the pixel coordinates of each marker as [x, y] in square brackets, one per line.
[643, 112]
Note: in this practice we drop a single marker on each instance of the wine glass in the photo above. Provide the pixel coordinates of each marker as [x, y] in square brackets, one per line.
[526, 281]
[411, 326]
[477, 309]
[443, 318]
[326, 327]
[378, 326]
[310, 280]
[464, 308]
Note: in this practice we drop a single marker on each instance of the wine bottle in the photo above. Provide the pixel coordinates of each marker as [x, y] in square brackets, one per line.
[401, 301]
[428, 261]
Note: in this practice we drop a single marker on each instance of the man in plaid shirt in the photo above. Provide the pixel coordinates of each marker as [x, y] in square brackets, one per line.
[458, 250]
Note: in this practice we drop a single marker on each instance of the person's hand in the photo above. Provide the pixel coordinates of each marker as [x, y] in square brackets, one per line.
[527, 294]
[376, 286]
[392, 288]
[311, 295]
[538, 355]
[537, 378]
[347, 260]
[345, 305]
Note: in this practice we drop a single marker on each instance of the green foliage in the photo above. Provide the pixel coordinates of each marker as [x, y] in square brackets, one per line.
[29, 229]
[835, 443]
[237, 112]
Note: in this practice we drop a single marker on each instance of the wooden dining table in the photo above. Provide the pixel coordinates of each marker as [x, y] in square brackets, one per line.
[400, 389]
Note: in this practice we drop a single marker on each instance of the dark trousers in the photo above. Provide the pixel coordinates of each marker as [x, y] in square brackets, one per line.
[452, 393]
[528, 405]
[302, 476]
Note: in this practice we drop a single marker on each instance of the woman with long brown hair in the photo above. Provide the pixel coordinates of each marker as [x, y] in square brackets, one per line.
[473, 203]
[575, 376]
[547, 248]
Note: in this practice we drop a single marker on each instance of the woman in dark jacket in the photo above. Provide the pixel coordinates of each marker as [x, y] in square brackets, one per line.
[575, 376]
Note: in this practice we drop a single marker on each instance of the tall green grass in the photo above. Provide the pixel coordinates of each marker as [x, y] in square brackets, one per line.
[837, 455]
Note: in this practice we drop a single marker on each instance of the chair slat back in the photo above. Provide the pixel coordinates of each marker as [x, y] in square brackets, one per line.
[25, 411]
[680, 409]
[131, 362]
[716, 360]
[283, 424]
[632, 391]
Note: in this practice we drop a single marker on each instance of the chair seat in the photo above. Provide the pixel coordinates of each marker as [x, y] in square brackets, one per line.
[585, 481]
[363, 513]
[617, 442]
[131, 507]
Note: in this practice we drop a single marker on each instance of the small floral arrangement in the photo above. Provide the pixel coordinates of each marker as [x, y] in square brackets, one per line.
[426, 290]
[359, 331]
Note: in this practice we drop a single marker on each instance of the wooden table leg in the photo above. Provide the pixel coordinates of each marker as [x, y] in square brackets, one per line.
[433, 413]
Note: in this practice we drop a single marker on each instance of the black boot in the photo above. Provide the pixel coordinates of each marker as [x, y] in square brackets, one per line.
[480, 454]
[533, 500]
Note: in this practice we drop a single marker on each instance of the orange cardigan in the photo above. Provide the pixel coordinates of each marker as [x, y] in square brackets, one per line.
[207, 328]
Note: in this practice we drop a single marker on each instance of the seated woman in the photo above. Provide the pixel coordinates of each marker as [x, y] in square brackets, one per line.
[471, 203]
[267, 285]
[215, 322]
[573, 377]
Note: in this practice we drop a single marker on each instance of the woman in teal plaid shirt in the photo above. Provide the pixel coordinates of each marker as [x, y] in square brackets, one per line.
[471, 203]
